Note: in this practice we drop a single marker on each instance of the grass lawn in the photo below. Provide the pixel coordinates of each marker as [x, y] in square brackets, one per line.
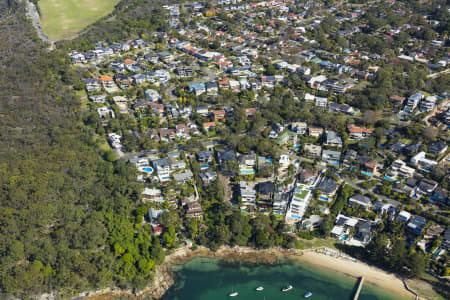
[63, 19]
[316, 243]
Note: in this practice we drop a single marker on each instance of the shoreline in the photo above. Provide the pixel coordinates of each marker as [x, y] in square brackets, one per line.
[165, 278]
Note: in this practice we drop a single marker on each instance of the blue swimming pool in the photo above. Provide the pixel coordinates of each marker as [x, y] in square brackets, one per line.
[247, 172]
[204, 167]
[345, 237]
[323, 198]
[389, 178]
[147, 170]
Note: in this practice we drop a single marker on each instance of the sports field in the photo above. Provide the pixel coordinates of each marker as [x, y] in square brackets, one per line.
[63, 19]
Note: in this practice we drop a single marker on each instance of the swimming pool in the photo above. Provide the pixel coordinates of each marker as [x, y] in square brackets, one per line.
[344, 237]
[147, 170]
[247, 172]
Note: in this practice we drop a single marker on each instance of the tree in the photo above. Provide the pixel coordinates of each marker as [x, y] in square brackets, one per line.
[370, 117]
[416, 264]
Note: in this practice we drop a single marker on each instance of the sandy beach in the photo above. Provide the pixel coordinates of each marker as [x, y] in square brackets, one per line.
[371, 274]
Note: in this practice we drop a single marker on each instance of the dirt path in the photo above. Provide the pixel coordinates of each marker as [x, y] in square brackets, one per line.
[33, 14]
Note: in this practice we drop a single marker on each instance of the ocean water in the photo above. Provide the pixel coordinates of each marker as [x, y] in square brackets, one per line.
[211, 279]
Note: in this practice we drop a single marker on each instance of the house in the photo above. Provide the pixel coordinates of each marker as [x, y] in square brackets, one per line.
[152, 195]
[166, 56]
[77, 58]
[284, 160]
[105, 113]
[108, 84]
[403, 216]
[247, 194]
[183, 177]
[389, 208]
[225, 156]
[184, 71]
[114, 140]
[440, 195]
[154, 214]
[313, 151]
[194, 210]
[446, 240]
[224, 84]
[246, 163]
[197, 88]
[182, 131]
[399, 169]
[122, 104]
[437, 147]
[370, 166]
[363, 232]
[356, 132]
[332, 139]
[212, 88]
[202, 110]
[315, 131]
[299, 127]
[298, 205]
[416, 224]
[265, 191]
[397, 100]
[422, 162]
[313, 222]
[152, 95]
[208, 177]
[204, 157]
[328, 186]
[413, 101]
[219, 114]
[166, 134]
[321, 102]
[162, 168]
[92, 84]
[307, 176]
[315, 81]
[209, 125]
[235, 86]
[176, 164]
[343, 226]
[360, 200]
[341, 108]
[428, 103]
[426, 187]
[331, 157]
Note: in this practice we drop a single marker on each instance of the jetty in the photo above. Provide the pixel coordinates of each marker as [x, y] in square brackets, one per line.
[361, 281]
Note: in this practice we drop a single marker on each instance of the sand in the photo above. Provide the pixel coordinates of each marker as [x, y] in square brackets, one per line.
[371, 274]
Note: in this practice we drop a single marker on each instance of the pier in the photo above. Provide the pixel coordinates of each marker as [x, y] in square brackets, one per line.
[361, 281]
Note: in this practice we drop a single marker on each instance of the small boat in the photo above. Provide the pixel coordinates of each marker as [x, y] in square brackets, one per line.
[287, 288]
[307, 295]
[260, 288]
[233, 294]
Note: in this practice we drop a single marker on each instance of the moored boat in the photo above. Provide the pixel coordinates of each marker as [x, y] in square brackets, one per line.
[287, 288]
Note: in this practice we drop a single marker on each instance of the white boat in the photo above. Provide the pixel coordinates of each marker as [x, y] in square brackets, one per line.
[233, 293]
[287, 288]
[307, 295]
[260, 288]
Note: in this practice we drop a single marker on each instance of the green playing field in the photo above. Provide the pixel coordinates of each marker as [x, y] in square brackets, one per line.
[63, 19]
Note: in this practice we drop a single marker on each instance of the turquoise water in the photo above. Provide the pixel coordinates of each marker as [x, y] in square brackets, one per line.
[209, 279]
